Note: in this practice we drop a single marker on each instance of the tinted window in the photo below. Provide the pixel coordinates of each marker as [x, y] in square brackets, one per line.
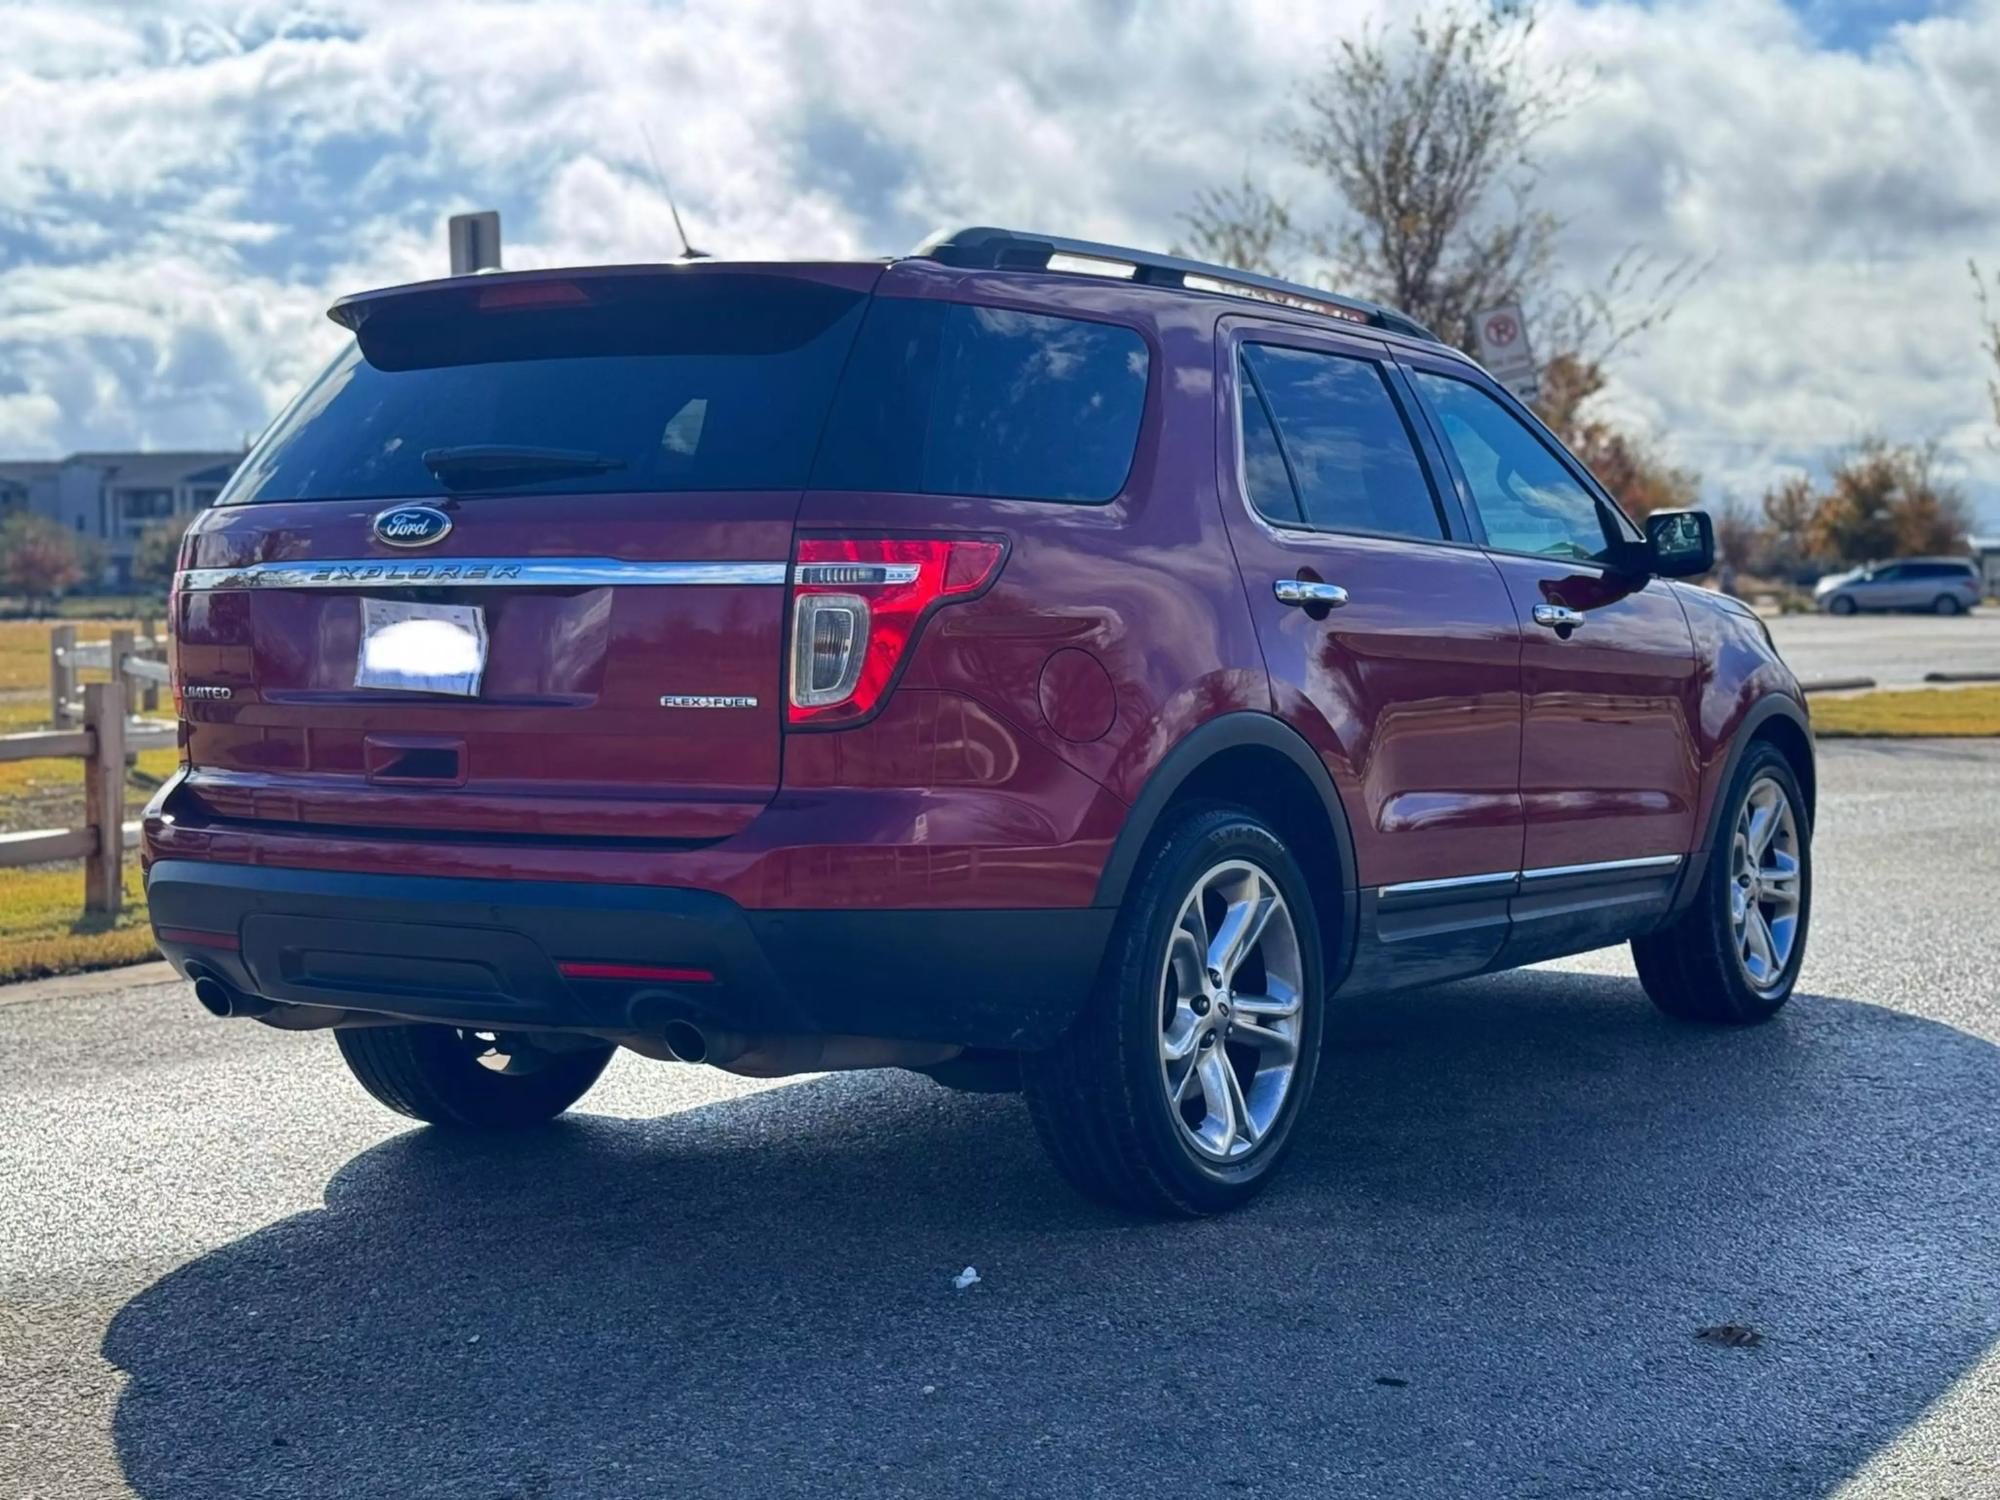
[1352, 462]
[956, 399]
[712, 382]
[1528, 501]
[1264, 474]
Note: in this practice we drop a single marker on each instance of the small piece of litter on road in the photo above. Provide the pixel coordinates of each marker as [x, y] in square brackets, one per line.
[1390, 1380]
[1730, 1335]
[967, 1277]
[473, 1340]
[930, 1390]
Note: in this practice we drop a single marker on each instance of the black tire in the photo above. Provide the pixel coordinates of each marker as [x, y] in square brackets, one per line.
[1691, 969]
[1841, 605]
[434, 1074]
[1946, 605]
[1099, 1097]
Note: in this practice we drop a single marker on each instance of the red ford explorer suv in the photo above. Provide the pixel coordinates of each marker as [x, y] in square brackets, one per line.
[1039, 664]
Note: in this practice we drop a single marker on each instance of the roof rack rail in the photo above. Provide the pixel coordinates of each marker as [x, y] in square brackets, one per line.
[1012, 250]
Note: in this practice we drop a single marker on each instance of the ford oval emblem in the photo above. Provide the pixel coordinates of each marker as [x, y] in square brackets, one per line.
[412, 525]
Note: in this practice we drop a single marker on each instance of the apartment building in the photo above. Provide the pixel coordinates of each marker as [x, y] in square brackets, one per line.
[113, 497]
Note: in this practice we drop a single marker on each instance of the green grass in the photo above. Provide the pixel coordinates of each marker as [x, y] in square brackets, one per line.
[1915, 712]
[24, 651]
[42, 927]
[43, 930]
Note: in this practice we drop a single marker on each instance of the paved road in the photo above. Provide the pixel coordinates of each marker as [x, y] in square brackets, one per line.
[224, 1272]
[1896, 650]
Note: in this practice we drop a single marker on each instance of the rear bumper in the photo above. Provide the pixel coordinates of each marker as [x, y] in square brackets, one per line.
[486, 953]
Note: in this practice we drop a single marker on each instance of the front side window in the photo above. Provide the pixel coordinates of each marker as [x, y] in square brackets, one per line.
[1352, 466]
[1525, 497]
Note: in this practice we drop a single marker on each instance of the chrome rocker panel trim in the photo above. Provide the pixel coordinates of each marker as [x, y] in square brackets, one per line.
[1502, 882]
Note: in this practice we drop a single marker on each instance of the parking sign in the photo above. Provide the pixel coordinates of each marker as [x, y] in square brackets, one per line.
[1503, 349]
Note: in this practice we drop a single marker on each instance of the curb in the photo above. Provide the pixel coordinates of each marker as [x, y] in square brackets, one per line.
[1836, 684]
[89, 983]
[1962, 677]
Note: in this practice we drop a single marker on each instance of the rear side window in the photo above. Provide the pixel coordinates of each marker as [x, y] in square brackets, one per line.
[711, 381]
[1265, 476]
[1347, 454]
[958, 399]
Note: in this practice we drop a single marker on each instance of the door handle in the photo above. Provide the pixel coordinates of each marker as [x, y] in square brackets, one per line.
[1299, 591]
[1558, 617]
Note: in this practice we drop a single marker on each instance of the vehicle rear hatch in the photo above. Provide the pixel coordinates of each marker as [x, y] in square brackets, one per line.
[607, 466]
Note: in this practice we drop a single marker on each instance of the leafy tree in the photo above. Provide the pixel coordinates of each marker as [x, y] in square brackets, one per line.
[1741, 542]
[1887, 500]
[40, 560]
[156, 551]
[1788, 517]
[1932, 516]
[1638, 478]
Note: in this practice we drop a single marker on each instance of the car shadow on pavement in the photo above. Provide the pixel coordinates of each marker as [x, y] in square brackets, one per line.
[1482, 1273]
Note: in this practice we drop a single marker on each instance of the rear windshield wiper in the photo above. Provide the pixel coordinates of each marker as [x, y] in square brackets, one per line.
[486, 465]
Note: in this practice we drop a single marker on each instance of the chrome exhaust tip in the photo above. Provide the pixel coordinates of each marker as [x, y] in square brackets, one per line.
[685, 1042]
[218, 999]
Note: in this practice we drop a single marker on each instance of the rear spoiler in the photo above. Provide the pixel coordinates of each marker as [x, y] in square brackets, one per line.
[575, 286]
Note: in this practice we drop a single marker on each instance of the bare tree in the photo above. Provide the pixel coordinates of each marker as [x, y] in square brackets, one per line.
[1426, 134]
[1989, 336]
[1241, 226]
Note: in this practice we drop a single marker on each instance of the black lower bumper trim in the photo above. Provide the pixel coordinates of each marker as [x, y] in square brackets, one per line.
[485, 953]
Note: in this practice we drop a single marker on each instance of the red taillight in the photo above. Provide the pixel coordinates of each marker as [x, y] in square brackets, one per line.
[511, 295]
[182, 557]
[857, 606]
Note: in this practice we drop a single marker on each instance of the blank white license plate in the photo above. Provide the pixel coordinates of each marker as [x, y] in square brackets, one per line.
[421, 648]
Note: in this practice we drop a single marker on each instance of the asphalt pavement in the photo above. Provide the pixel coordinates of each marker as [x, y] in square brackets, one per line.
[225, 1272]
[1896, 650]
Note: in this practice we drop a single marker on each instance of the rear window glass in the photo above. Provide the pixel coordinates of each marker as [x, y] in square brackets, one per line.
[711, 382]
[958, 399]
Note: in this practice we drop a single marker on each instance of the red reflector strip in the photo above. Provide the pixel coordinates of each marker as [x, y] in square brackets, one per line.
[194, 937]
[635, 971]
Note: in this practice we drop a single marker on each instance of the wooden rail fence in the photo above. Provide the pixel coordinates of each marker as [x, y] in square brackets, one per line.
[102, 741]
[140, 656]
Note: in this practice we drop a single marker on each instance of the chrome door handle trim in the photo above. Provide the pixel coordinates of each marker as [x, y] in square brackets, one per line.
[1298, 591]
[1558, 616]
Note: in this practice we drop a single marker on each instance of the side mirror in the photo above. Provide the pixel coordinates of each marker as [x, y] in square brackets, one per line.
[1680, 543]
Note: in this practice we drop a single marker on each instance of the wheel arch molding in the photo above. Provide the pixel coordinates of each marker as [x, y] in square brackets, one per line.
[1210, 763]
[1778, 719]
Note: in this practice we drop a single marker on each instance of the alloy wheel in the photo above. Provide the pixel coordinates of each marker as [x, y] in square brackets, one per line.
[1232, 994]
[1766, 884]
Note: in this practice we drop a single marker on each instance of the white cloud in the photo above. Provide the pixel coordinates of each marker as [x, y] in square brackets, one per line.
[180, 198]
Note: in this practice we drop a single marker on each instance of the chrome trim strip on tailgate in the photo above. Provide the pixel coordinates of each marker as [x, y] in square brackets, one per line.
[478, 572]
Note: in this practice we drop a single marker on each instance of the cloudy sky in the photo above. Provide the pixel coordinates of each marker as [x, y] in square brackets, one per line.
[183, 188]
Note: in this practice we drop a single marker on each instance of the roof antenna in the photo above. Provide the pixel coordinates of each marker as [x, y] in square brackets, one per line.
[688, 252]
